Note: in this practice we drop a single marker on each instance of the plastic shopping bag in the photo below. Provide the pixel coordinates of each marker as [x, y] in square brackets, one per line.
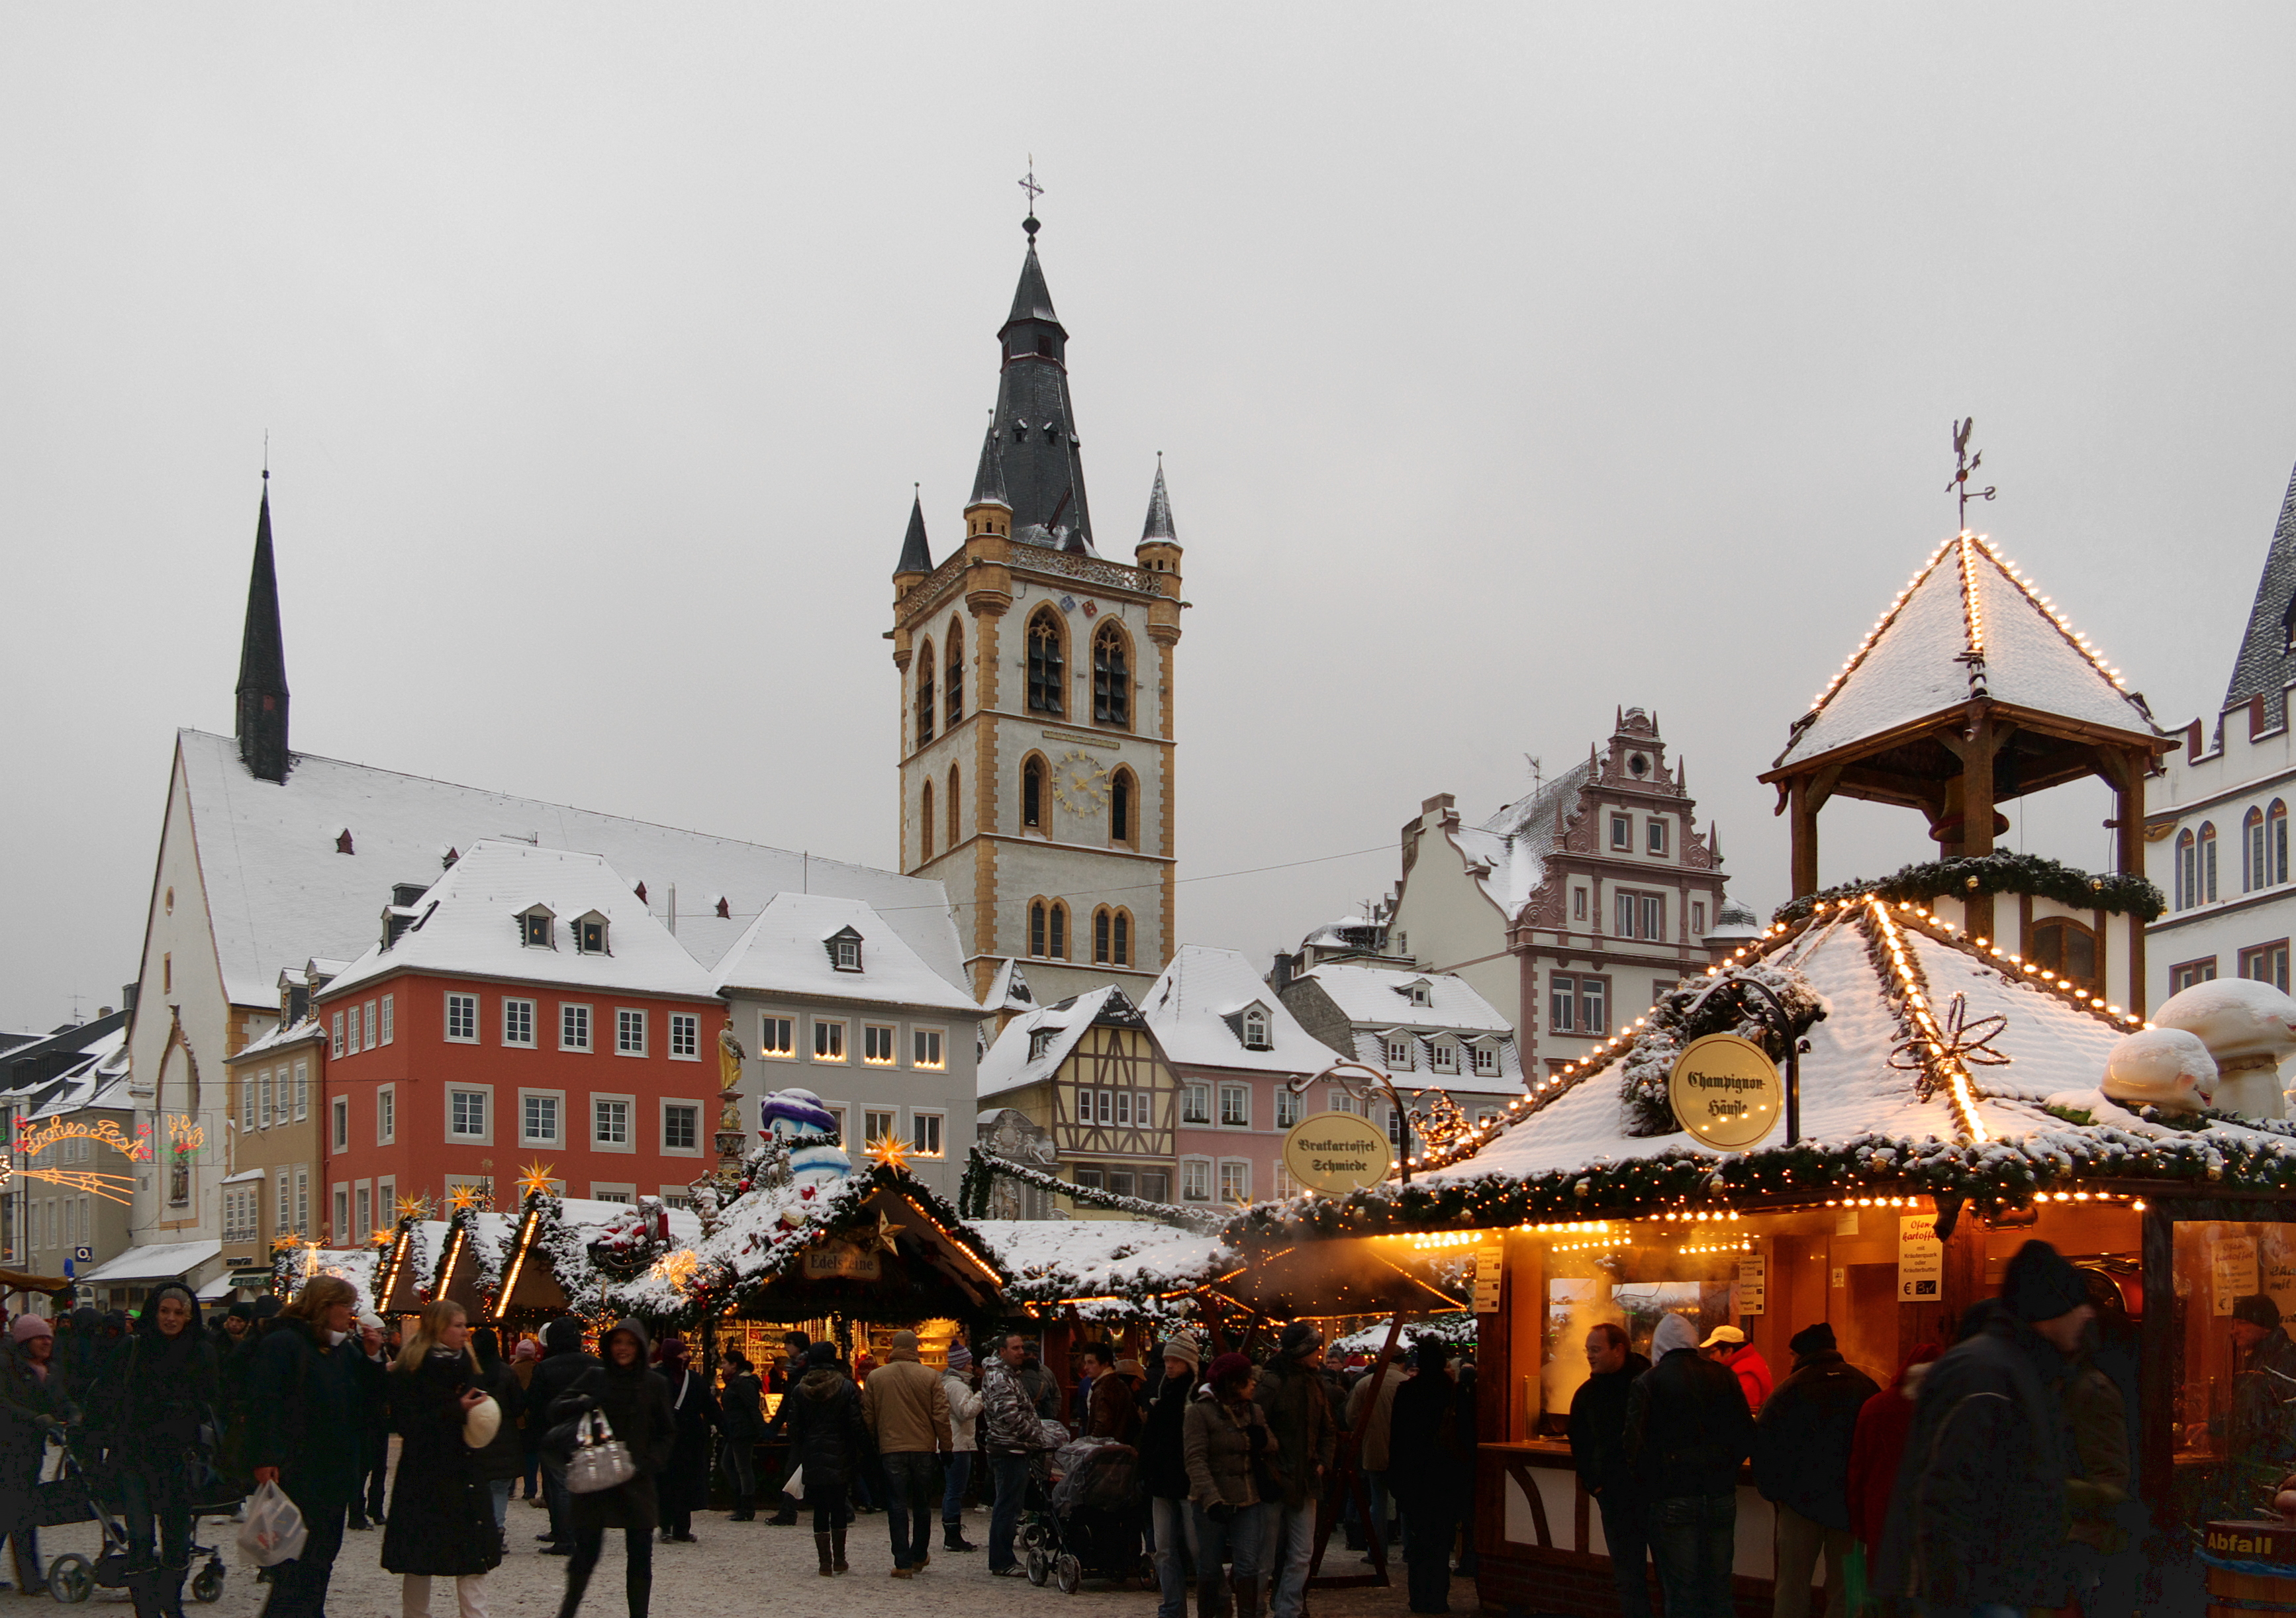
[273, 1531]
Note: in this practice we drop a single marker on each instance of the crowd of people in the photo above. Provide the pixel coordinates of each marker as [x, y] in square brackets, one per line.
[1991, 1479]
[1230, 1460]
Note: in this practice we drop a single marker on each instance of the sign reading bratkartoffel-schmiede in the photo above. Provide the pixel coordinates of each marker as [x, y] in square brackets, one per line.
[1726, 1090]
[1336, 1152]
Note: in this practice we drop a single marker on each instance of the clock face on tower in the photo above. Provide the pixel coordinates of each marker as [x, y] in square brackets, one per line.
[1080, 783]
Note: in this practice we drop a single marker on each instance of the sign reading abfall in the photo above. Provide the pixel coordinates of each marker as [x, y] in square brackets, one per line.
[1753, 1284]
[1921, 1259]
[1337, 1152]
[1726, 1090]
[1490, 1261]
[841, 1261]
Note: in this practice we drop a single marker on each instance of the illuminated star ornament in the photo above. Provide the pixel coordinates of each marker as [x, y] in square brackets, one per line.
[466, 1198]
[537, 1180]
[414, 1206]
[1955, 1040]
[886, 1151]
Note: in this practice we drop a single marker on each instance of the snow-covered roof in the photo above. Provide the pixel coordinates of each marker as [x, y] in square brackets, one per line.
[1736, 920]
[159, 1261]
[1196, 1010]
[1009, 989]
[1008, 1064]
[786, 951]
[1379, 997]
[1507, 853]
[1101, 1266]
[279, 891]
[100, 1079]
[470, 922]
[291, 1033]
[1970, 625]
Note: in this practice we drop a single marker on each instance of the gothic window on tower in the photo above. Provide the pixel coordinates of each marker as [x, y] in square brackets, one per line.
[925, 708]
[955, 681]
[1119, 807]
[1032, 794]
[925, 825]
[1056, 935]
[1120, 931]
[1047, 665]
[1037, 922]
[1099, 936]
[953, 802]
[1111, 679]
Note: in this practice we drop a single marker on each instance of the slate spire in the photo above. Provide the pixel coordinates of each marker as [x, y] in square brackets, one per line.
[916, 556]
[1035, 422]
[988, 482]
[2267, 663]
[1159, 525]
[261, 715]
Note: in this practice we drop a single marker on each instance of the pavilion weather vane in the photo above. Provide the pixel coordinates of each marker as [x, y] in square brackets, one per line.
[1027, 182]
[1966, 463]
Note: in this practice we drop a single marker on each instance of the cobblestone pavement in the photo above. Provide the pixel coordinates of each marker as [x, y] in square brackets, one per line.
[738, 1570]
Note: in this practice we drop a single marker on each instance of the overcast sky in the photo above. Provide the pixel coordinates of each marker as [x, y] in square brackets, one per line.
[1509, 364]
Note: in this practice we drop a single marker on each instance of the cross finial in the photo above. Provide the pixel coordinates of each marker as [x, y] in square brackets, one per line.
[1966, 463]
[1029, 184]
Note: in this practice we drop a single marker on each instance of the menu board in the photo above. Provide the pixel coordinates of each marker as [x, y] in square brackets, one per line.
[1920, 1258]
[1490, 1261]
[1753, 1284]
[2233, 1270]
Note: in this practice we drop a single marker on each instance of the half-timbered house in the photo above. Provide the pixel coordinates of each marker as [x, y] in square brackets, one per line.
[1089, 1071]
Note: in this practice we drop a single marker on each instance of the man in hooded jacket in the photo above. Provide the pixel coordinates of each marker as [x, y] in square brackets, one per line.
[1978, 1514]
[1688, 1429]
[563, 1361]
[1802, 1464]
[1300, 1420]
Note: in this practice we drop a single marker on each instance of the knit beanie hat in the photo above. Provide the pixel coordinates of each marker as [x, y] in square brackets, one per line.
[1179, 1345]
[1814, 1339]
[2039, 1285]
[1228, 1365]
[2256, 1309]
[823, 1352]
[960, 1358]
[25, 1327]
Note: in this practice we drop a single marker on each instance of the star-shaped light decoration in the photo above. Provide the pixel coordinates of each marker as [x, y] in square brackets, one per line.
[888, 1152]
[280, 1244]
[382, 1237]
[1934, 1047]
[466, 1198]
[880, 1239]
[537, 1180]
[415, 1205]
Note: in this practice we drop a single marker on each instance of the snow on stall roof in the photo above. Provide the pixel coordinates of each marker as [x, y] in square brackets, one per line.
[1123, 1261]
[1928, 655]
[470, 922]
[157, 1261]
[1196, 1008]
[279, 892]
[784, 952]
[1008, 1064]
[1376, 994]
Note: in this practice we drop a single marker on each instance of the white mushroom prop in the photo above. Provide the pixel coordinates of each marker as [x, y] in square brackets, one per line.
[2166, 1068]
[2249, 1028]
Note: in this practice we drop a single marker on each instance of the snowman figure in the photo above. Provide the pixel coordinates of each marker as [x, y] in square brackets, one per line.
[2166, 1068]
[799, 1120]
[2250, 1030]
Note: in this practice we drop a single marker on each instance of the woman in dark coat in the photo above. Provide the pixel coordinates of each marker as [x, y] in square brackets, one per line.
[309, 1383]
[33, 1405]
[503, 1461]
[745, 1429]
[150, 1400]
[685, 1482]
[635, 1400]
[829, 1438]
[440, 1523]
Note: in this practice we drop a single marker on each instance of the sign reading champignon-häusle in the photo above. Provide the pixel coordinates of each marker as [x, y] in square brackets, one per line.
[1336, 1152]
[1726, 1090]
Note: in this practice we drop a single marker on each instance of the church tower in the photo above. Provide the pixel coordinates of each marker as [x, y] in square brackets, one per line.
[1036, 697]
[260, 710]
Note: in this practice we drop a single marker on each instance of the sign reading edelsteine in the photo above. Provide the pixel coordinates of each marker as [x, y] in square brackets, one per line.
[1337, 1152]
[1726, 1090]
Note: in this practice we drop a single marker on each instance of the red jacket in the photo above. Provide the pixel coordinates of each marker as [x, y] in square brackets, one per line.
[1876, 1449]
[1753, 1374]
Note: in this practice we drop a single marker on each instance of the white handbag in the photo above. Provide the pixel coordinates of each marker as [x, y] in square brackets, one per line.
[600, 1461]
[481, 1422]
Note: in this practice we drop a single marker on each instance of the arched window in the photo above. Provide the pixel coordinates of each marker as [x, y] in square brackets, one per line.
[1037, 928]
[1111, 679]
[2060, 944]
[2254, 873]
[1100, 920]
[2276, 840]
[2208, 858]
[1056, 932]
[926, 709]
[925, 825]
[956, 672]
[1120, 951]
[1032, 794]
[1047, 665]
[1119, 807]
[2187, 871]
[953, 800]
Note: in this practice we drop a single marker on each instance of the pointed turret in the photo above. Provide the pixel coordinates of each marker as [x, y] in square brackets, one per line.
[1034, 422]
[2267, 664]
[988, 478]
[1159, 551]
[917, 555]
[1159, 525]
[261, 714]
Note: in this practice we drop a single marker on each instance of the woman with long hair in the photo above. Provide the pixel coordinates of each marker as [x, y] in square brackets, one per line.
[309, 1388]
[1222, 1433]
[441, 1524]
[635, 1400]
[155, 1396]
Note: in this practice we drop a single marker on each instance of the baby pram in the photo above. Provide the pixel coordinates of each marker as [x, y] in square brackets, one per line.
[1090, 1522]
[79, 1491]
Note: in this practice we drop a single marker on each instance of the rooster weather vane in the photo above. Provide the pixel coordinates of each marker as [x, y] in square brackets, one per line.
[1966, 464]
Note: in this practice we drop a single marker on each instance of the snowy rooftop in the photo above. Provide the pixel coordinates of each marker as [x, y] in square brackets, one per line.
[1009, 1063]
[1509, 850]
[159, 1261]
[786, 951]
[1196, 1010]
[1380, 998]
[469, 922]
[1121, 1262]
[101, 1081]
[278, 1039]
[280, 891]
[1968, 626]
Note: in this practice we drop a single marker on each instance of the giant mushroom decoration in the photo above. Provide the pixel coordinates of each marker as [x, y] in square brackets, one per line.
[2250, 1030]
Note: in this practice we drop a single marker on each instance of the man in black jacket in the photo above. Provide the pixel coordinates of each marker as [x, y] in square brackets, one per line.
[1802, 1464]
[563, 1361]
[1688, 1429]
[1598, 1448]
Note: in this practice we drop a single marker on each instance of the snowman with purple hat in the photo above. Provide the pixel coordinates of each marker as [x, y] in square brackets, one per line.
[802, 1130]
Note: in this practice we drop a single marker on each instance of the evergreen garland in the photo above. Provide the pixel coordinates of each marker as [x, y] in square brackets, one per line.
[1646, 1107]
[983, 1170]
[1998, 873]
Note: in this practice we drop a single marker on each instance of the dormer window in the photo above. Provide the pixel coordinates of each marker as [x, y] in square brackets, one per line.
[1443, 1057]
[590, 934]
[1255, 1029]
[1040, 1040]
[1417, 993]
[534, 928]
[844, 946]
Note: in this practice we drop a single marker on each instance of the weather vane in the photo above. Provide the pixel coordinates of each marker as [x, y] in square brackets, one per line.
[1968, 464]
[1029, 184]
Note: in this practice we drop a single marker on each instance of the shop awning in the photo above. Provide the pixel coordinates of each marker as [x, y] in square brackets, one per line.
[161, 1261]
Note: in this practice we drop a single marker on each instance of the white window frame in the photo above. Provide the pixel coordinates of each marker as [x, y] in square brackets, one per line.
[302, 1200]
[1622, 834]
[923, 1123]
[828, 1030]
[338, 1033]
[893, 1116]
[939, 1060]
[1191, 1093]
[351, 1046]
[556, 1139]
[613, 1191]
[390, 1018]
[339, 1131]
[386, 1114]
[1241, 1166]
[364, 1202]
[302, 1090]
[513, 1003]
[1656, 836]
[571, 1012]
[246, 1100]
[372, 1021]
[1228, 1091]
[629, 1105]
[685, 1028]
[887, 1034]
[467, 1004]
[1290, 1106]
[767, 1029]
[1258, 1030]
[627, 1018]
[1485, 1060]
[340, 1201]
[483, 1138]
[1337, 1100]
[263, 1099]
[1401, 1057]
[700, 1126]
[1442, 1057]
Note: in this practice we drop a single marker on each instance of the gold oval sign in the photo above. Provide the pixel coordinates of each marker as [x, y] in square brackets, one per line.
[1726, 1090]
[1335, 1152]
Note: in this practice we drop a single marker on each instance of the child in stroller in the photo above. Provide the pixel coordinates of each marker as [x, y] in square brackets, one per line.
[76, 1495]
[1089, 1522]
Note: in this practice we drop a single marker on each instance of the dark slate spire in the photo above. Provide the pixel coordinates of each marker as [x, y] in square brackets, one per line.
[1159, 525]
[2266, 665]
[261, 722]
[1035, 422]
[988, 482]
[916, 556]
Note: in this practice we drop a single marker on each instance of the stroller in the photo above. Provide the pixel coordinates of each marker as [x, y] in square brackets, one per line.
[1089, 1525]
[73, 1496]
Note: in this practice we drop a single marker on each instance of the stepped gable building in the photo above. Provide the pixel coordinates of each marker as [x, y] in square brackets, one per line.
[2218, 844]
[1591, 894]
[269, 858]
[1035, 698]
